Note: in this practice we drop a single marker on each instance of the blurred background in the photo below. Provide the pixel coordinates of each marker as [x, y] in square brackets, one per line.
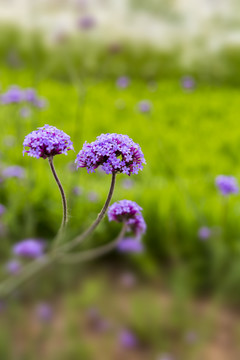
[167, 74]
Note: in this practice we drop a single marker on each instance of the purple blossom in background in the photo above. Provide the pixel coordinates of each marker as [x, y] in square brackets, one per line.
[227, 185]
[13, 95]
[77, 190]
[14, 171]
[2, 209]
[144, 106]
[44, 312]
[96, 322]
[204, 233]
[116, 153]
[127, 183]
[29, 248]
[40, 103]
[123, 82]
[86, 22]
[47, 141]
[130, 245]
[127, 339]
[188, 83]
[123, 210]
[25, 112]
[128, 280]
[13, 267]
[30, 95]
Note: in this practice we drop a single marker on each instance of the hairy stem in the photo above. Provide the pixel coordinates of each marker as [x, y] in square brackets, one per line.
[80, 238]
[64, 201]
[93, 253]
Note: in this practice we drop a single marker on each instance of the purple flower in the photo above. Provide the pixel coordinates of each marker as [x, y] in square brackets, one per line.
[127, 183]
[47, 141]
[13, 267]
[40, 103]
[127, 339]
[204, 233]
[77, 190]
[188, 83]
[128, 280]
[30, 95]
[13, 171]
[116, 153]
[25, 112]
[96, 322]
[144, 106]
[123, 82]
[137, 225]
[123, 210]
[13, 95]
[86, 22]
[2, 209]
[29, 248]
[44, 312]
[227, 184]
[130, 245]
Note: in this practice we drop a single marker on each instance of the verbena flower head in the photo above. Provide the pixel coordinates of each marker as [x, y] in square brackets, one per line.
[14, 171]
[144, 106]
[123, 211]
[188, 83]
[137, 225]
[130, 245]
[123, 82]
[116, 153]
[44, 312]
[227, 184]
[47, 141]
[29, 248]
[128, 339]
[13, 95]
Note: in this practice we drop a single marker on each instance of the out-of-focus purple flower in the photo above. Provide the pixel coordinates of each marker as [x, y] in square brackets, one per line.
[47, 141]
[93, 196]
[96, 322]
[40, 103]
[188, 83]
[145, 106]
[14, 171]
[25, 112]
[30, 95]
[128, 280]
[123, 210]
[127, 183]
[227, 184]
[77, 190]
[204, 233]
[116, 153]
[44, 312]
[86, 22]
[13, 95]
[123, 82]
[130, 245]
[29, 248]
[13, 267]
[128, 339]
[2, 209]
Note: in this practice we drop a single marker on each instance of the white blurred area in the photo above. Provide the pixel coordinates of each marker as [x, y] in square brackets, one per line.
[161, 23]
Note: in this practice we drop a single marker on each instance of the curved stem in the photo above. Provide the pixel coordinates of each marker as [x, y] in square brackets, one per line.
[64, 201]
[80, 238]
[93, 253]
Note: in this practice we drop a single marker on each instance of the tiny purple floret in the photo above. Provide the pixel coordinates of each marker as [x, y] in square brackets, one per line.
[116, 153]
[47, 141]
[227, 184]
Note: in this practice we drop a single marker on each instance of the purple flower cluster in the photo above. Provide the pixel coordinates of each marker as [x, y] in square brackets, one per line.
[188, 83]
[47, 141]
[16, 95]
[129, 212]
[204, 233]
[130, 245]
[29, 248]
[123, 82]
[116, 153]
[86, 22]
[227, 184]
[44, 312]
[128, 339]
[144, 106]
[14, 171]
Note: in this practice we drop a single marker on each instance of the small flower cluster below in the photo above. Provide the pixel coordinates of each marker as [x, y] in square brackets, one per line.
[16, 95]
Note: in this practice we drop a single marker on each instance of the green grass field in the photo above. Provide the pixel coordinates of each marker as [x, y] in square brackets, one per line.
[188, 139]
